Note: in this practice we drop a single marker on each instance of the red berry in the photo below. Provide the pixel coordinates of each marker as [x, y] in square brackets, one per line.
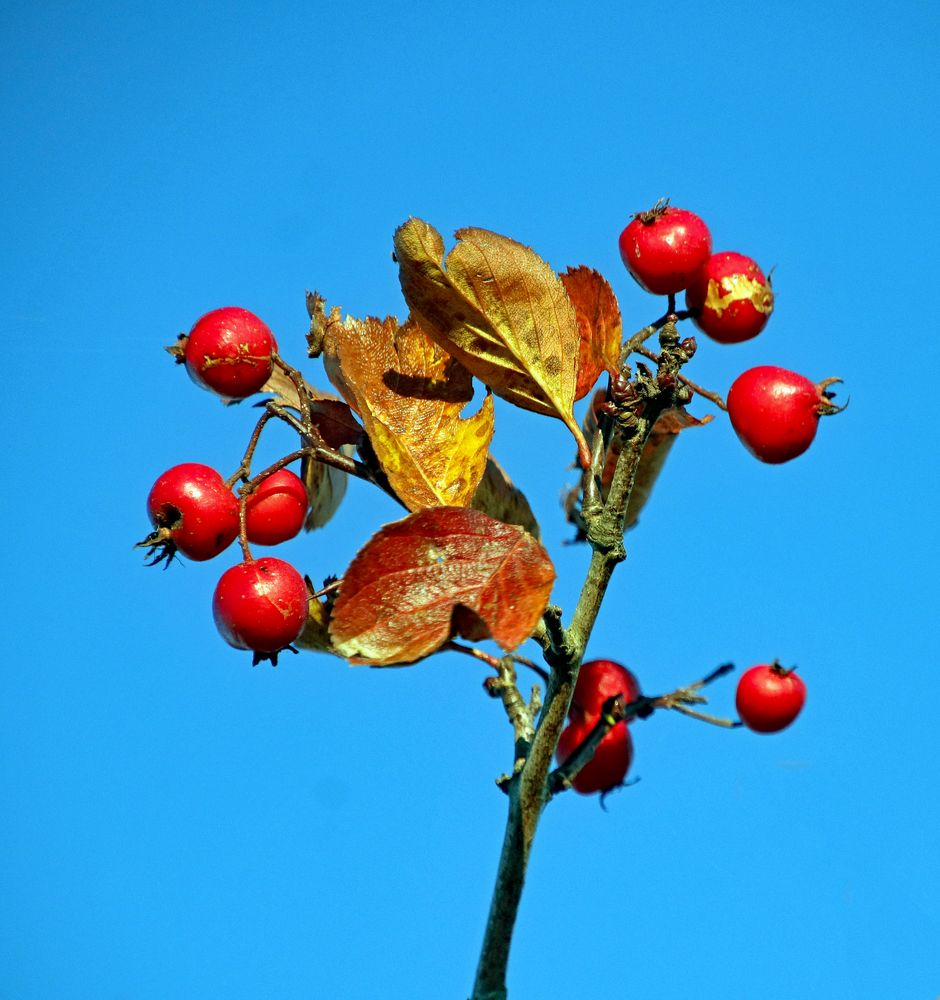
[193, 511]
[663, 248]
[610, 763]
[260, 605]
[730, 298]
[229, 352]
[775, 412]
[599, 680]
[276, 510]
[769, 697]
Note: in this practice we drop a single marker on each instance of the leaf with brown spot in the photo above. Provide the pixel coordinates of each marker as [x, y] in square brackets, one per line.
[500, 310]
[599, 325]
[497, 496]
[409, 393]
[417, 580]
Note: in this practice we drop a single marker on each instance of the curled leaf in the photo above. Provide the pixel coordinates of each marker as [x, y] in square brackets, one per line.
[335, 421]
[599, 325]
[497, 496]
[436, 574]
[658, 445]
[500, 310]
[410, 393]
[326, 487]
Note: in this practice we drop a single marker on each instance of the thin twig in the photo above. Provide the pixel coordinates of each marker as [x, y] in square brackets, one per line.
[705, 393]
[641, 336]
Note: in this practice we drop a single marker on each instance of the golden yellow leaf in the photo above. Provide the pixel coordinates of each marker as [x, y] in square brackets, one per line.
[500, 310]
[409, 394]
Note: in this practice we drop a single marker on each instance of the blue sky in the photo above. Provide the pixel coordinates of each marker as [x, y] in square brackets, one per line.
[178, 824]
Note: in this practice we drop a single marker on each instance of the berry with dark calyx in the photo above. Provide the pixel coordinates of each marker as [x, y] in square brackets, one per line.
[193, 511]
[229, 351]
[664, 248]
[775, 412]
[599, 680]
[275, 512]
[769, 697]
[261, 605]
[729, 298]
[610, 763]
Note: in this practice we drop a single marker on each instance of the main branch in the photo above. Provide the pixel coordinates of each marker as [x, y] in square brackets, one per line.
[529, 788]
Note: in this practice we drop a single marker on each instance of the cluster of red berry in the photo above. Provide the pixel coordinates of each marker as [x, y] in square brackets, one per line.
[599, 681]
[769, 697]
[775, 412]
[259, 604]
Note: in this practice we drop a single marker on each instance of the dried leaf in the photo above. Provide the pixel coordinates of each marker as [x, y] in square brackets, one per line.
[599, 325]
[497, 496]
[667, 428]
[501, 310]
[419, 580]
[409, 393]
[326, 487]
[284, 390]
[335, 421]
[663, 436]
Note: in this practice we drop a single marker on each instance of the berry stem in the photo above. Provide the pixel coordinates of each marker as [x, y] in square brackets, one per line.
[641, 336]
[616, 710]
[714, 397]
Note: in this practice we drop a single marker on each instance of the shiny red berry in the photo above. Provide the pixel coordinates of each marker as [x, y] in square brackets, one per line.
[276, 510]
[229, 352]
[663, 248]
[260, 605]
[193, 511]
[776, 412]
[730, 298]
[610, 763]
[769, 697]
[599, 680]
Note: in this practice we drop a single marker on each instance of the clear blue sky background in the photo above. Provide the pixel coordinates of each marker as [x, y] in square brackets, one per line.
[176, 824]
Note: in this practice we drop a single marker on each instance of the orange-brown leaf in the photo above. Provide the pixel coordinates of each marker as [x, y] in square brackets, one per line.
[409, 393]
[418, 580]
[501, 310]
[599, 325]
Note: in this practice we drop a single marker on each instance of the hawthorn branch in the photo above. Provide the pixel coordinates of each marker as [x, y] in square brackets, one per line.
[563, 648]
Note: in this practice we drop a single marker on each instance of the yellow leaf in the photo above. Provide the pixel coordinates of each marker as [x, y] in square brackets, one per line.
[409, 394]
[500, 310]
